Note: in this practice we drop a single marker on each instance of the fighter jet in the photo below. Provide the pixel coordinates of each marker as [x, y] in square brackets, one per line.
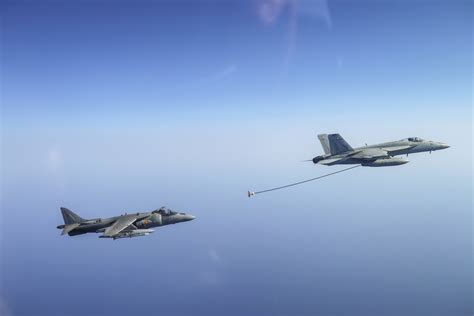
[337, 151]
[123, 226]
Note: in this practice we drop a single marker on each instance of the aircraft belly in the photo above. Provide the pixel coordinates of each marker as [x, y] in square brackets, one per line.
[92, 228]
[412, 150]
[401, 152]
[348, 161]
[417, 149]
[152, 225]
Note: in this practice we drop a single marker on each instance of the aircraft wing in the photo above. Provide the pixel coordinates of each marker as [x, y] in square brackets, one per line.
[119, 225]
[370, 153]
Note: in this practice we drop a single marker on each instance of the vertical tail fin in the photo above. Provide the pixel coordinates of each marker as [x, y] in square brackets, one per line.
[334, 144]
[70, 217]
[323, 138]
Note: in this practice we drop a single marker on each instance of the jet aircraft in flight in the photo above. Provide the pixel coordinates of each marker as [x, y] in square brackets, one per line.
[338, 152]
[123, 226]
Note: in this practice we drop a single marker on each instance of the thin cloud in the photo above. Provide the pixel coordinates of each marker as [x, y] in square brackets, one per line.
[55, 159]
[214, 256]
[270, 11]
[212, 275]
[316, 9]
[55, 166]
[223, 73]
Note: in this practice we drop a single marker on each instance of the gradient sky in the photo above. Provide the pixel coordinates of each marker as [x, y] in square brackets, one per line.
[120, 107]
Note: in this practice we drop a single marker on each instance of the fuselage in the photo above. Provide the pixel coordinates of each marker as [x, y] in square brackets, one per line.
[415, 146]
[380, 155]
[145, 220]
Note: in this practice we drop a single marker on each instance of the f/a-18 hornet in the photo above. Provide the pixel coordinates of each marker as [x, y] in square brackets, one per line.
[337, 151]
[123, 226]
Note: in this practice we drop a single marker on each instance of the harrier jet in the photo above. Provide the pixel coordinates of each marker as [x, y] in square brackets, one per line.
[337, 151]
[123, 226]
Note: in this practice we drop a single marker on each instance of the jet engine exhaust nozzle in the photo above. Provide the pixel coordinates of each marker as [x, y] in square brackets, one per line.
[317, 159]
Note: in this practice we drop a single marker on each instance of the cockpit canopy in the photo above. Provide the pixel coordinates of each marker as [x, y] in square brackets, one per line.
[415, 139]
[164, 211]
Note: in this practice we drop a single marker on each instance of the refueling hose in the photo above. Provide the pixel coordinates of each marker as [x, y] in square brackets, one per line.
[250, 193]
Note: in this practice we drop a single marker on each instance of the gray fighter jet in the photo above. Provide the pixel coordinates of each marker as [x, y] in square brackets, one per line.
[337, 151]
[123, 226]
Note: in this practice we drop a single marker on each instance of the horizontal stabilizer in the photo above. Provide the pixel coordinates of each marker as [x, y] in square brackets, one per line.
[69, 228]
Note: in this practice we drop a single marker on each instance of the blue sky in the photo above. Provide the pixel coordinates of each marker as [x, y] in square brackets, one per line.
[119, 107]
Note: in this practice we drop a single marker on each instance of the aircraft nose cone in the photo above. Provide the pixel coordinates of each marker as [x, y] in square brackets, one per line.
[188, 217]
[443, 146]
